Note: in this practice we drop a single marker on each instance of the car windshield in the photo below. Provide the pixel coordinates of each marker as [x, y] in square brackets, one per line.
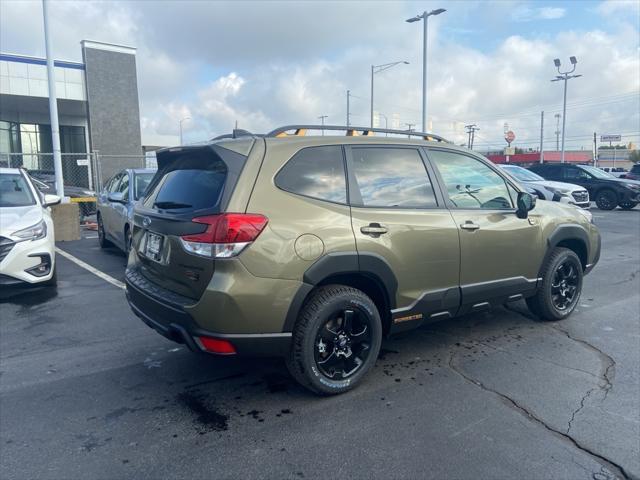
[141, 184]
[523, 174]
[596, 172]
[15, 191]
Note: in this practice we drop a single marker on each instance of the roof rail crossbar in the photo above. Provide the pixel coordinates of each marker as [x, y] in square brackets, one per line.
[301, 130]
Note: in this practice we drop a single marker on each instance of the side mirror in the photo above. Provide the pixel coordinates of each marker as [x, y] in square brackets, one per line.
[116, 197]
[526, 202]
[50, 200]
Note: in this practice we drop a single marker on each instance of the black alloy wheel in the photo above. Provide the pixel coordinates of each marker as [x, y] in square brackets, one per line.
[343, 344]
[564, 285]
[561, 286]
[606, 199]
[336, 339]
[628, 205]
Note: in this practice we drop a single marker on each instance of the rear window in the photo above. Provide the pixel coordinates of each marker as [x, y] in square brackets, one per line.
[194, 179]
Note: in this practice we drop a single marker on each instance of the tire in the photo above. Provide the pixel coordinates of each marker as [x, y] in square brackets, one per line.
[627, 205]
[325, 324]
[561, 286]
[606, 199]
[102, 240]
[127, 240]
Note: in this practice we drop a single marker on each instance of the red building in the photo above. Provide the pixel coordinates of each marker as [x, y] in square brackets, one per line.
[534, 157]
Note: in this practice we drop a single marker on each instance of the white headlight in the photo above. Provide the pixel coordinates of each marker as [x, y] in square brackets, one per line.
[34, 232]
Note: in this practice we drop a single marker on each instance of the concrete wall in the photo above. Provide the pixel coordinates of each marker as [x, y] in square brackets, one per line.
[113, 110]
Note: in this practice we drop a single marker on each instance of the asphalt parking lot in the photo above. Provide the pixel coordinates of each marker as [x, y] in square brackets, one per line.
[88, 391]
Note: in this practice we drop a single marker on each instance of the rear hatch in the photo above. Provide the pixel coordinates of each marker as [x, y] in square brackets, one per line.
[191, 182]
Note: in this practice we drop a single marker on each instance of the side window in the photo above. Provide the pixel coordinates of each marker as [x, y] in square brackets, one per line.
[123, 187]
[575, 174]
[316, 172]
[112, 185]
[391, 177]
[470, 183]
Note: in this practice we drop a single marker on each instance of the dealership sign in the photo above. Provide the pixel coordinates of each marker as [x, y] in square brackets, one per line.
[509, 137]
[610, 138]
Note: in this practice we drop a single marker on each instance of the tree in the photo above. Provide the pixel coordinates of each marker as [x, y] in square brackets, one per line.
[634, 156]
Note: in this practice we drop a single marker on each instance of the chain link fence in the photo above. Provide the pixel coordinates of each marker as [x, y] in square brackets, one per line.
[84, 174]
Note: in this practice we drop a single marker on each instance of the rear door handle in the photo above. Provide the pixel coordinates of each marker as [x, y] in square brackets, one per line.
[374, 229]
[469, 225]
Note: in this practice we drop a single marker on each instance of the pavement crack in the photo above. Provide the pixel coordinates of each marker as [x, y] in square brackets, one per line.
[610, 464]
[608, 373]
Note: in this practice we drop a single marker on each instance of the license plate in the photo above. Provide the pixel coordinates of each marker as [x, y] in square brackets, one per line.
[154, 245]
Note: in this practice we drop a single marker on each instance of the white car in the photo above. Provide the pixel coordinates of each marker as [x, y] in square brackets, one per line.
[27, 244]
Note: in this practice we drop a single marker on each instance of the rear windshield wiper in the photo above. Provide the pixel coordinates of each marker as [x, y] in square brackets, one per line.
[171, 205]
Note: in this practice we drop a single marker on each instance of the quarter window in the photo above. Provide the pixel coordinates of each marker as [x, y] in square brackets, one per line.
[470, 183]
[316, 172]
[123, 187]
[391, 178]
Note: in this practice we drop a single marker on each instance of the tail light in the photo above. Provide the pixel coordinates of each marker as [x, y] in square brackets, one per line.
[226, 235]
[216, 345]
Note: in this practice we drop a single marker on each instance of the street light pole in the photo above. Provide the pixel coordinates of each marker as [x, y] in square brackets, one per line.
[386, 123]
[425, 17]
[377, 69]
[53, 105]
[565, 77]
[180, 122]
[322, 117]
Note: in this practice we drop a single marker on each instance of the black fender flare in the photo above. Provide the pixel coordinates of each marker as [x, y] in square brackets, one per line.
[567, 231]
[340, 263]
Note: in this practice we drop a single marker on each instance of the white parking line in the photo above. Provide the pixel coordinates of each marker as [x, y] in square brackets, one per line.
[88, 267]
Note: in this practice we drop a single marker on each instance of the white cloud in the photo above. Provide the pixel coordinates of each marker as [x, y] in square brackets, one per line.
[616, 7]
[524, 13]
[551, 13]
[284, 63]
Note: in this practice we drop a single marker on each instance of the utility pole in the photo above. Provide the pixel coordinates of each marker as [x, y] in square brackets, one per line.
[557, 115]
[377, 69]
[542, 136]
[595, 150]
[348, 111]
[410, 128]
[565, 76]
[53, 105]
[189, 118]
[322, 117]
[471, 130]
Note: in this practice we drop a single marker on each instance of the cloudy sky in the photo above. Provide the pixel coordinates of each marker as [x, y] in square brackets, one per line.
[265, 64]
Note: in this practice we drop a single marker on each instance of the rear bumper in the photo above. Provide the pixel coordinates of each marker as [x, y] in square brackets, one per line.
[167, 315]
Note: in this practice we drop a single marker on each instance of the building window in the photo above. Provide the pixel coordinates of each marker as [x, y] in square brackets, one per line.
[30, 145]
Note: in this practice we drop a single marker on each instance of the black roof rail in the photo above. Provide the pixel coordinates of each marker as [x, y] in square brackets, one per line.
[301, 130]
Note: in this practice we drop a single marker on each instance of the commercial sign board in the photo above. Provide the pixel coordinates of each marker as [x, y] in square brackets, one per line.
[610, 138]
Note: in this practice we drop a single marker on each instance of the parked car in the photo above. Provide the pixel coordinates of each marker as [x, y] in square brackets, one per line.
[255, 245]
[45, 181]
[634, 173]
[115, 206]
[550, 190]
[27, 241]
[607, 191]
[615, 171]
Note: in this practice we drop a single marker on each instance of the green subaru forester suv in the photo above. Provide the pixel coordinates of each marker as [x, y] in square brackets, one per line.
[316, 247]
